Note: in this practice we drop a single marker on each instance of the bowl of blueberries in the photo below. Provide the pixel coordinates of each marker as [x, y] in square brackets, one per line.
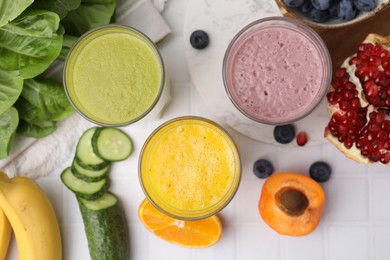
[342, 24]
[328, 14]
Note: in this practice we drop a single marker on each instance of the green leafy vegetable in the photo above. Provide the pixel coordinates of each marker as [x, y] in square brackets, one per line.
[8, 124]
[32, 37]
[10, 9]
[47, 101]
[90, 14]
[69, 41]
[30, 43]
[36, 131]
[60, 7]
[10, 88]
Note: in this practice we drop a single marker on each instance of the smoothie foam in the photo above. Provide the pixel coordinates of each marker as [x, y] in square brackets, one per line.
[275, 74]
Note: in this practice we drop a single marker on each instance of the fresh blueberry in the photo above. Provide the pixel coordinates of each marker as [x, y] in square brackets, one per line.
[306, 7]
[320, 171]
[318, 15]
[365, 5]
[284, 133]
[321, 4]
[333, 9]
[293, 3]
[199, 39]
[347, 10]
[263, 168]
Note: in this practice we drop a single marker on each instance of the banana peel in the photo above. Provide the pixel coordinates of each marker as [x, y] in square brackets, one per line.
[31, 217]
[5, 235]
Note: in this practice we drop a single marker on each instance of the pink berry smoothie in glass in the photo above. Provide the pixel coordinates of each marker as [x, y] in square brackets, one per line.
[276, 70]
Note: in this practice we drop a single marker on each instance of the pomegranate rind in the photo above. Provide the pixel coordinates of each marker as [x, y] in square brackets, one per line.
[353, 153]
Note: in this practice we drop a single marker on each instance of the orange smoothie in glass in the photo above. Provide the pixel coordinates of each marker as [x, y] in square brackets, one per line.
[190, 168]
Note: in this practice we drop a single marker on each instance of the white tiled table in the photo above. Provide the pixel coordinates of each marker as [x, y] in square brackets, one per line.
[355, 224]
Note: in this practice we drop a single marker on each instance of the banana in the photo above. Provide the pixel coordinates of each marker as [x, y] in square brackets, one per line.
[32, 218]
[5, 235]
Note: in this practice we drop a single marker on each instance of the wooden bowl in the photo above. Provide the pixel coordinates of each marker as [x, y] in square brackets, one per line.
[342, 38]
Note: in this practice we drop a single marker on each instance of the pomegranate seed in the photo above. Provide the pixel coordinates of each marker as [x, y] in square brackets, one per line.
[301, 138]
[375, 60]
[341, 73]
[348, 143]
[355, 60]
[371, 88]
[385, 158]
[381, 134]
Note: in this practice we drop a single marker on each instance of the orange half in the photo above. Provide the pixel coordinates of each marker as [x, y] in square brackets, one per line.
[195, 234]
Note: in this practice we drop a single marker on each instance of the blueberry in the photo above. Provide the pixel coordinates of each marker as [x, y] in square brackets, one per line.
[365, 5]
[321, 4]
[263, 168]
[199, 39]
[306, 7]
[320, 171]
[284, 133]
[333, 9]
[318, 15]
[347, 10]
[293, 3]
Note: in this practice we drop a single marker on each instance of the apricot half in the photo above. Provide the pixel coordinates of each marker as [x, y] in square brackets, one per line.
[291, 203]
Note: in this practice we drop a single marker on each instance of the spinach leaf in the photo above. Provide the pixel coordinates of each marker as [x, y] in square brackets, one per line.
[8, 124]
[36, 131]
[90, 14]
[60, 7]
[47, 99]
[67, 44]
[10, 88]
[10, 9]
[30, 43]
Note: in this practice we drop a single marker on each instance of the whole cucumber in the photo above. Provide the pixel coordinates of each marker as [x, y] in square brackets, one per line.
[105, 227]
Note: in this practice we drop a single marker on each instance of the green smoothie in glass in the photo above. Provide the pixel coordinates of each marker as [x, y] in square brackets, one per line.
[114, 75]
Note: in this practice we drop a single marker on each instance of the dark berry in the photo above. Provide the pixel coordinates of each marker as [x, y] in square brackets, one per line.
[319, 16]
[263, 168]
[321, 4]
[284, 133]
[320, 171]
[365, 5]
[347, 10]
[199, 39]
[306, 7]
[293, 3]
[333, 9]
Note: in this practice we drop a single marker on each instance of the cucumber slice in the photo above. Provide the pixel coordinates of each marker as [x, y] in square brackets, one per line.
[111, 144]
[87, 174]
[105, 227]
[83, 189]
[85, 155]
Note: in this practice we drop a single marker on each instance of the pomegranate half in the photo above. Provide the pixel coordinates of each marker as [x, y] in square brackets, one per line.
[359, 103]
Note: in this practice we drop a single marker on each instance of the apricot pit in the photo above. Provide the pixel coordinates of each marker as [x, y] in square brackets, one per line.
[291, 203]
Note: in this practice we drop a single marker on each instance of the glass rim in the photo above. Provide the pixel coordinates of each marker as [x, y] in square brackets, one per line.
[322, 51]
[225, 199]
[139, 34]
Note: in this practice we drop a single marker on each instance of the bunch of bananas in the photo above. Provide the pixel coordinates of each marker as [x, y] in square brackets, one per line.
[25, 209]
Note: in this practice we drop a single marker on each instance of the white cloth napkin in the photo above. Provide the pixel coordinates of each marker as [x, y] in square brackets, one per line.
[39, 157]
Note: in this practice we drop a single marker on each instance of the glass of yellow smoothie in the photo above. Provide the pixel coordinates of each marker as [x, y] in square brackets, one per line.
[114, 75]
[190, 168]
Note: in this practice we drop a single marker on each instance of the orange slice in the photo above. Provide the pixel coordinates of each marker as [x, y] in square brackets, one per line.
[195, 234]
